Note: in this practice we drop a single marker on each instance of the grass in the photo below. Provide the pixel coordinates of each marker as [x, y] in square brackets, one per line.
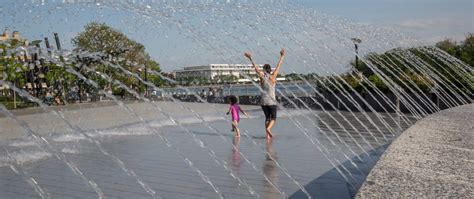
[9, 104]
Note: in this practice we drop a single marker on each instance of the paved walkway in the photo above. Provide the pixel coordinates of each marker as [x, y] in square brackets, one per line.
[92, 116]
[274, 169]
[432, 159]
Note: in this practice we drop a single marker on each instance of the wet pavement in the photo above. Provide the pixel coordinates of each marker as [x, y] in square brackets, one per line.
[297, 157]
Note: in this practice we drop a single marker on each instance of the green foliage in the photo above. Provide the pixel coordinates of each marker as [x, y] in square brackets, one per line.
[126, 53]
[155, 79]
[463, 51]
[225, 79]
[131, 55]
[362, 67]
[294, 77]
[448, 46]
[190, 81]
[311, 77]
[99, 37]
[467, 50]
[353, 82]
[9, 65]
[378, 83]
[20, 103]
[112, 45]
[12, 71]
[408, 76]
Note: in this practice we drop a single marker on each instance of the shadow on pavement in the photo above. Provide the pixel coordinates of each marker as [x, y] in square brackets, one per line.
[332, 184]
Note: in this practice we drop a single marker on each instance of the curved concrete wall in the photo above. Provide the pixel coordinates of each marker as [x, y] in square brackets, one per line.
[432, 159]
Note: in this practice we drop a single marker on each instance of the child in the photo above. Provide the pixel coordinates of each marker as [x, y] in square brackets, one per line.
[234, 109]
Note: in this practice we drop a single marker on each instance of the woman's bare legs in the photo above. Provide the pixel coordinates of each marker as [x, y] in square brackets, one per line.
[268, 128]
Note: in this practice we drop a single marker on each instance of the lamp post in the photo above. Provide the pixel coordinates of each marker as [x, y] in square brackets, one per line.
[146, 80]
[356, 42]
[16, 83]
[39, 64]
[144, 69]
[84, 61]
[10, 75]
[58, 43]
[48, 46]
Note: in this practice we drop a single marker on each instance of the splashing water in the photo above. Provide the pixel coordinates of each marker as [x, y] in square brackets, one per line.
[344, 125]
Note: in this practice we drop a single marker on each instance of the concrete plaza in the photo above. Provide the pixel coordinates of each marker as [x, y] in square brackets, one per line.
[238, 168]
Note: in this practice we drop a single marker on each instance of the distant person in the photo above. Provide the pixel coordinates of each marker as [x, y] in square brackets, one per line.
[211, 92]
[122, 93]
[49, 98]
[268, 82]
[48, 94]
[234, 110]
[57, 100]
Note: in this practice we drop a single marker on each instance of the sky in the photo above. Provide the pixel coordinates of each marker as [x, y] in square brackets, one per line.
[426, 20]
[430, 20]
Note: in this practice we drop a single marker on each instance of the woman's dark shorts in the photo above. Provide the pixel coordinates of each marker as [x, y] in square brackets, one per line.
[270, 112]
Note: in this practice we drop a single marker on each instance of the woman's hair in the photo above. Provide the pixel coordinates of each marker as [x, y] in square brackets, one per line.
[267, 68]
[232, 99]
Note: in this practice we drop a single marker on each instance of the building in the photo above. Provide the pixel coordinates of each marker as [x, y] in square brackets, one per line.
[211, 71]
[36, 78]
[5, 36]
[214, 71]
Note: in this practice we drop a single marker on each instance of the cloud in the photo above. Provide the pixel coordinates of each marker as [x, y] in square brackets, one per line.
[419, 24]
[434, 30]
[429, 23]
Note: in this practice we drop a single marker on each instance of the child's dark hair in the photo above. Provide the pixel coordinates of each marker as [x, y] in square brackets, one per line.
[232, 99]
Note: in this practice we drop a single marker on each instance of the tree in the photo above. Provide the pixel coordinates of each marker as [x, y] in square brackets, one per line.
[378, 83]
[294, 77]
[12, 70]
[463, 51]
[116, 48]
[99, 37]
[448, 45]
[467, 50]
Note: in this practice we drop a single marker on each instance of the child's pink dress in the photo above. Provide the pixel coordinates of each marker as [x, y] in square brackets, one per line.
[234, 109]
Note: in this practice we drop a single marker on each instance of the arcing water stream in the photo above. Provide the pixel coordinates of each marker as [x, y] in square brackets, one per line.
[228, 29]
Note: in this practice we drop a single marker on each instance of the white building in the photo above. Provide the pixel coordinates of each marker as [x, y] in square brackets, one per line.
[211, 71]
